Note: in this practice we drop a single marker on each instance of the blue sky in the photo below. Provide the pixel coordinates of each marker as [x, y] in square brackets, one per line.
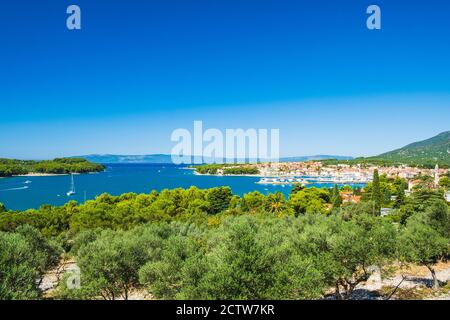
[139, 69]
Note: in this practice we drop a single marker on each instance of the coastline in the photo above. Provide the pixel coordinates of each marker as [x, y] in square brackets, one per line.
[261, 176]
[34, 174]
[37, 174]
[230, 175]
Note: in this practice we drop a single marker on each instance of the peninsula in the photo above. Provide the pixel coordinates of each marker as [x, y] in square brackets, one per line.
[13, 167]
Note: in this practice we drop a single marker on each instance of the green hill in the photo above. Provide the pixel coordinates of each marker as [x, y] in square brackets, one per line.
[12, 167]
[427, 152]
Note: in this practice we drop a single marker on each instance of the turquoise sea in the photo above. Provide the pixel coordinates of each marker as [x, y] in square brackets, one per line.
[20, 193]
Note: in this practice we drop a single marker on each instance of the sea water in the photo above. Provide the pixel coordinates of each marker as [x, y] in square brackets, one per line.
[21, 193]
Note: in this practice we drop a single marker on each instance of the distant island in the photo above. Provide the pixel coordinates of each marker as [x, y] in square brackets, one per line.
[426, 154]
[13, 167]
[167, 158]
[115, 158]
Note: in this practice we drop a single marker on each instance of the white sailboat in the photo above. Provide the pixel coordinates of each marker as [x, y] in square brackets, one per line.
[72, 187]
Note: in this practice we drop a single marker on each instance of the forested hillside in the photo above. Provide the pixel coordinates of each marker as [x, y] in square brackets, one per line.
[11, 167]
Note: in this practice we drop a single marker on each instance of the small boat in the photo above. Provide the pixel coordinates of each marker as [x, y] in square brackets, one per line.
[27, 182]
[72, 187]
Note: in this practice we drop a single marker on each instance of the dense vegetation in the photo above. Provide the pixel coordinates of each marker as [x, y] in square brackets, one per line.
[211, 244]
[11, 167]
[227, 169]
[24, 257]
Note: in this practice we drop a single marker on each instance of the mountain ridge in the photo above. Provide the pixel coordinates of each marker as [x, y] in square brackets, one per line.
[435, 149]
[428, 152]
[167, 158]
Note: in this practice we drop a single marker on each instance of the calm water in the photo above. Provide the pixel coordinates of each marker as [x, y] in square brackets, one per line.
[20, 193]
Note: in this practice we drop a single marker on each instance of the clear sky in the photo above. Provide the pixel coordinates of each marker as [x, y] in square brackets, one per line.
[139, 69]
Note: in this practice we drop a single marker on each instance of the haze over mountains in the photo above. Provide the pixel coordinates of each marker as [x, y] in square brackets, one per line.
[429, 151]
[166, 158]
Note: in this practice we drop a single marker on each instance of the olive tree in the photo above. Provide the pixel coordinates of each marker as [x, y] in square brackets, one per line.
[426, 237]
[17, 268]
[245, 258]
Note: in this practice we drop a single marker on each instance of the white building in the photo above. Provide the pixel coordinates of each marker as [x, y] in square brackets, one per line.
[447, 196]
[385, 211]
[436, 176]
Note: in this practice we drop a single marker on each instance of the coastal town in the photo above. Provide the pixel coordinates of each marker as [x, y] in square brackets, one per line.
[340, 173]
[304, 173]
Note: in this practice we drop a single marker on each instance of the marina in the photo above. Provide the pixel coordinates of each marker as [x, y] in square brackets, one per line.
[308, 180]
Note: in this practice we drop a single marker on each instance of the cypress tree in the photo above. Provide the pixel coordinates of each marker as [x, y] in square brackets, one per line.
[400, 198]
[376, 192]
[336, 199]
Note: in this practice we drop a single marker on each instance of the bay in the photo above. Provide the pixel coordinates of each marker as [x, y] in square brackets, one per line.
[21, 193]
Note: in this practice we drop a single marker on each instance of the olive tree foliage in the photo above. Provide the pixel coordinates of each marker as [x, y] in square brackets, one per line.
[109, 261]
[258, 259]
[246, 257]
[345, 251]
[292, 258]
[166, 277]
[242, 259]
[357, 247]
[210, 244]
[426, 238]
[46, 252]
[24, 257]
[17, 273]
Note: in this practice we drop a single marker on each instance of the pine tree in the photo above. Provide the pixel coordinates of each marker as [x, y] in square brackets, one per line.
[376, 192]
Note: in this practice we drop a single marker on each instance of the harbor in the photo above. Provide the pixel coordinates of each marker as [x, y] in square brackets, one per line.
[305, 180]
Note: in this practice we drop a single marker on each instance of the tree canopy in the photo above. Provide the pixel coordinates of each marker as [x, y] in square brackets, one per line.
[210, 244]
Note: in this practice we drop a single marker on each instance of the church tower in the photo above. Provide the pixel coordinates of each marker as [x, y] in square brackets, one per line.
[436, 176]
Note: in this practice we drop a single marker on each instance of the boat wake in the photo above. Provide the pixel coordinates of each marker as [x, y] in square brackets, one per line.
[15, 189]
